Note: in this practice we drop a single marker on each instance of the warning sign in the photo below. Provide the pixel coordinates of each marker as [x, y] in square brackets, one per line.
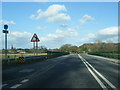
[35, 38]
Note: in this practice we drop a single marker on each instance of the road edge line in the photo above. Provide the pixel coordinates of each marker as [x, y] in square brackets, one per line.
[96, 78]
[107, 81]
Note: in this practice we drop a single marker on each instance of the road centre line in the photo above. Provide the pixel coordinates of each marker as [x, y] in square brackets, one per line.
[96, 78]
[108, 82]
[16, 86]
[25, 80]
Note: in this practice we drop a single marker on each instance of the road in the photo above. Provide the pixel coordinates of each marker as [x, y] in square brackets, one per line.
[69, 71]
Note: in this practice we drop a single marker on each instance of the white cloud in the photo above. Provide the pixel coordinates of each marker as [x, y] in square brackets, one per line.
[106, 34]
[58, 38]
[53, 14]
[18, 39]
[63, 25]
[22, 39]
[7, 22]
[85, 19]
[41, 28]
[59, 18]
[109, 31]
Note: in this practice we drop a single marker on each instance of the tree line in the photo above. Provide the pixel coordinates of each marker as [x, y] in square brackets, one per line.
[97, 46]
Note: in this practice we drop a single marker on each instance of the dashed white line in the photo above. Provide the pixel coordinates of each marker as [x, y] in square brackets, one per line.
[25, 80]
[26, 70]
[16, 86]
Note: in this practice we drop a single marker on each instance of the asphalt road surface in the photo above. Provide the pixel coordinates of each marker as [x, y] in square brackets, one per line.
[69, 71]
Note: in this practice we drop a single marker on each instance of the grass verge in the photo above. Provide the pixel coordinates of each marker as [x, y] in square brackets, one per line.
[106, 54]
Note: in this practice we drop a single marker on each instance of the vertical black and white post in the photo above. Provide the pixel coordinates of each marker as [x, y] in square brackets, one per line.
[6, 32]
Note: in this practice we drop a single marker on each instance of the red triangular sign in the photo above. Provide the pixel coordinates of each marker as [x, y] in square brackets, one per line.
[35, 38]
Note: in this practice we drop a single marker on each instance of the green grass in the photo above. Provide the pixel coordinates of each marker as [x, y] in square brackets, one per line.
[106, 54]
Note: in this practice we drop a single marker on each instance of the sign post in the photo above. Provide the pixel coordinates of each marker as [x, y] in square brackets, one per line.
[35, 39]
[6, 32]
[34, 47]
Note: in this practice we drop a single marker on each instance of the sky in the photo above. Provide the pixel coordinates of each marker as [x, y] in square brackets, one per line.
[58, 23]
[60, 0]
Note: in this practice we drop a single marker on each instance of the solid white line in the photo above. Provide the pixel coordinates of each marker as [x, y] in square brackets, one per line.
[108, 82]
[26, 70]
[96, 78]
[25, 80]
[3, 85]
[16, 86]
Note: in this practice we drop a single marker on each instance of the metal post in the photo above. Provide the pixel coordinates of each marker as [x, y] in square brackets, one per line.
[6, 46]
[5, 31]
[34, 47]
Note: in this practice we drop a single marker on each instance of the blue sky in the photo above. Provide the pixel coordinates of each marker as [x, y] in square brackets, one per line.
[59, 23]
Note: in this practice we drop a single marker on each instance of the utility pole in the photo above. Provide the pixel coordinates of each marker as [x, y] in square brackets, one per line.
[6, 32]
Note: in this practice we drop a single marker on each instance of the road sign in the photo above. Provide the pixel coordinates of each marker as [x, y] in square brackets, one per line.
[6, 26]
[5, 31]
[35, 38]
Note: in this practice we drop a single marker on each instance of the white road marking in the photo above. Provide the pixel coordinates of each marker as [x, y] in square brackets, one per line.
[97, 79]
[3, 85]
[16, 86]
[108, 82]
[25, 80]
[26, 70]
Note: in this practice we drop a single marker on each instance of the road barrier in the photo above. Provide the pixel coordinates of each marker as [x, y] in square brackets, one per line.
[21, 59]
[27, 58]
[31, 59]
[50, 54]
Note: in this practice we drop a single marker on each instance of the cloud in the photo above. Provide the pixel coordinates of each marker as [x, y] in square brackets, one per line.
[85, 19]
[106, 34]
[52, 14]
[18, 39]
[7, 22]
[63, 25]
[52, 40]
[40, 28]
[58, 38]
[109, 31]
